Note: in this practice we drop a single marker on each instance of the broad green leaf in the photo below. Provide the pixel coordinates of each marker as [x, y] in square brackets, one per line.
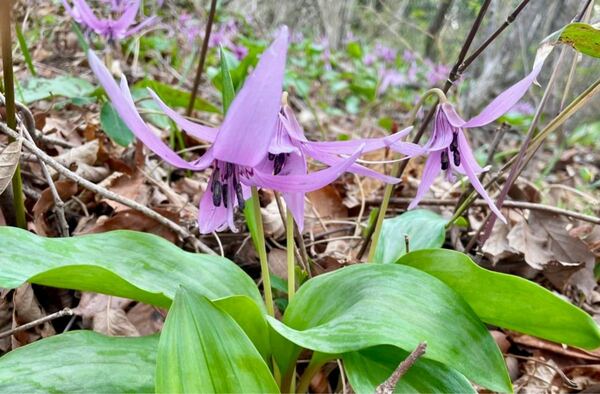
[175, 97]
[227, 90]
[113, 126]
[203, 350]
[81, 362]
[370, 367]
[251, 318]
[425, 229]
[123, 263]
[367, 305]
[37, 88]
[583, 37]
[508, 301]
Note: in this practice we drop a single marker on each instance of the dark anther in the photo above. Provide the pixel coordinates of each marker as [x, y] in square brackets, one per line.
[217, 191]
[225, 194]
[445, 160]
[454, 143]
[456, 155]
[278, 163]
[228, 170]
[215, 179]
[271, 156]
[239, 194]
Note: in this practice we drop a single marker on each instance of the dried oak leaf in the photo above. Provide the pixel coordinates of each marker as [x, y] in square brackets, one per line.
[66, 189]
[547, 245]
[105, 314]
[131, 187]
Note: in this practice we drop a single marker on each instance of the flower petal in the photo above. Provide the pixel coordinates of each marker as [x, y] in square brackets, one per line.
[127, 18]
[506, 100]
[88, 18]
[331, 159]
[145, 23]
[295, 165]
[248, 128]
[125, 107]
[468, 163]
[211, 218]
[370, 144]
[196, 130]
[433, 166]
[292, 125]
[302, 183]
[282, 142]
[442, 134]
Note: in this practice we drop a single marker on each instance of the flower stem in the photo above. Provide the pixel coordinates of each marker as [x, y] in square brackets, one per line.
[262, 253]
[291, 264]
[389, 188]
[11, 119]
[313, 367]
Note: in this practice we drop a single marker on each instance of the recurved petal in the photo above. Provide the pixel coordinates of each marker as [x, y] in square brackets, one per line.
[506, 100]
[292, 125]
[433, 166]
[196, 130]
[302, 183]
[147, 22]
[249, 125]
[125, 107]
[128, 17]
[87, 17]
[468, 163]
[370, 144]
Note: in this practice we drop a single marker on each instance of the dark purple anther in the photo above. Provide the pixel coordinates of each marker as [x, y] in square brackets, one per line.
[456, 156]
[216, 190]
[445, 160]
[278, 163]
[454, 143]
[228, 170]
[240, 195]
[215, 178]
[271, 156]
[225, 194]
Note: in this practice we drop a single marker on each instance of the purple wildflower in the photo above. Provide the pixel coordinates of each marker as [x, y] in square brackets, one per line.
[437, 73]
[385, 53]
[240, 144]
[111, 29]
[390, 78]
[448, 147]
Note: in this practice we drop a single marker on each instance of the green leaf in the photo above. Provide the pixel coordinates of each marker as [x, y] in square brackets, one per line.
[203, 350]
[354, 50]
[425, 229]
[143, 99]
[583, 37]
[370, 367]
[367, 305]
[508, 301]
[37, 88]
[129, 264]
[175, 97]
[81, 362]
[227, 91]
[113, 125]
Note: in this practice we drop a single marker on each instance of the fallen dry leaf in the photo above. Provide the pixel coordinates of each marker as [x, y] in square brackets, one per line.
[66, 189]
[568, 351]
[147, 319]
[9, 159]
[131, 187]
[105, 314]
[27, 309]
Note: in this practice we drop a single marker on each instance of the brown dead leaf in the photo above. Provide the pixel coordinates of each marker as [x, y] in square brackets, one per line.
[134, 220]
[66, 189]
[27, 309]
[9, 159]
[105, 314]
[272, 222]
[147, 319]
[538, 377]
[546, 244]
[131, 187]
[278, 262]
[497, 246]
[567, 351]
[324, 204]
[5, 322]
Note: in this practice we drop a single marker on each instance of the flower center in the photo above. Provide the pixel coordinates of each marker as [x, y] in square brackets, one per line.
[278, 161]
[455, 153]
[226, 179]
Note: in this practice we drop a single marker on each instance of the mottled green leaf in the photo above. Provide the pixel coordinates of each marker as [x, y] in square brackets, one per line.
[425, 229]
[367, 305]
[203, 350]
[507, 300]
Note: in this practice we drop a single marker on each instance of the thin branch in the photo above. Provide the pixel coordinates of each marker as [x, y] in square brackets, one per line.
[186, 235]
[203, 51]
[45, 319]
[507, 204]
[511, 18]
[389, 385]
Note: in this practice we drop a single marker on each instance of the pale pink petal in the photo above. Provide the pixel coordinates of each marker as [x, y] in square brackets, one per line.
[433, 166]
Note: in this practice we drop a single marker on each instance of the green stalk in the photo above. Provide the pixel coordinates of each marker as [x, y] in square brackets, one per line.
[262, 253]
[313, 367]
[389, 188]
[25, 49]
[9, 94]
[291, 264]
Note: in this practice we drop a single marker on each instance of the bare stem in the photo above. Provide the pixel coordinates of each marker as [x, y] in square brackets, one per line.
[262, 253]
[9, 91]
[203, 51]
[291, 264]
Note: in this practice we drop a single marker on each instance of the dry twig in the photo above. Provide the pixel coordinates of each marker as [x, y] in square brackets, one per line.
[389, 385]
